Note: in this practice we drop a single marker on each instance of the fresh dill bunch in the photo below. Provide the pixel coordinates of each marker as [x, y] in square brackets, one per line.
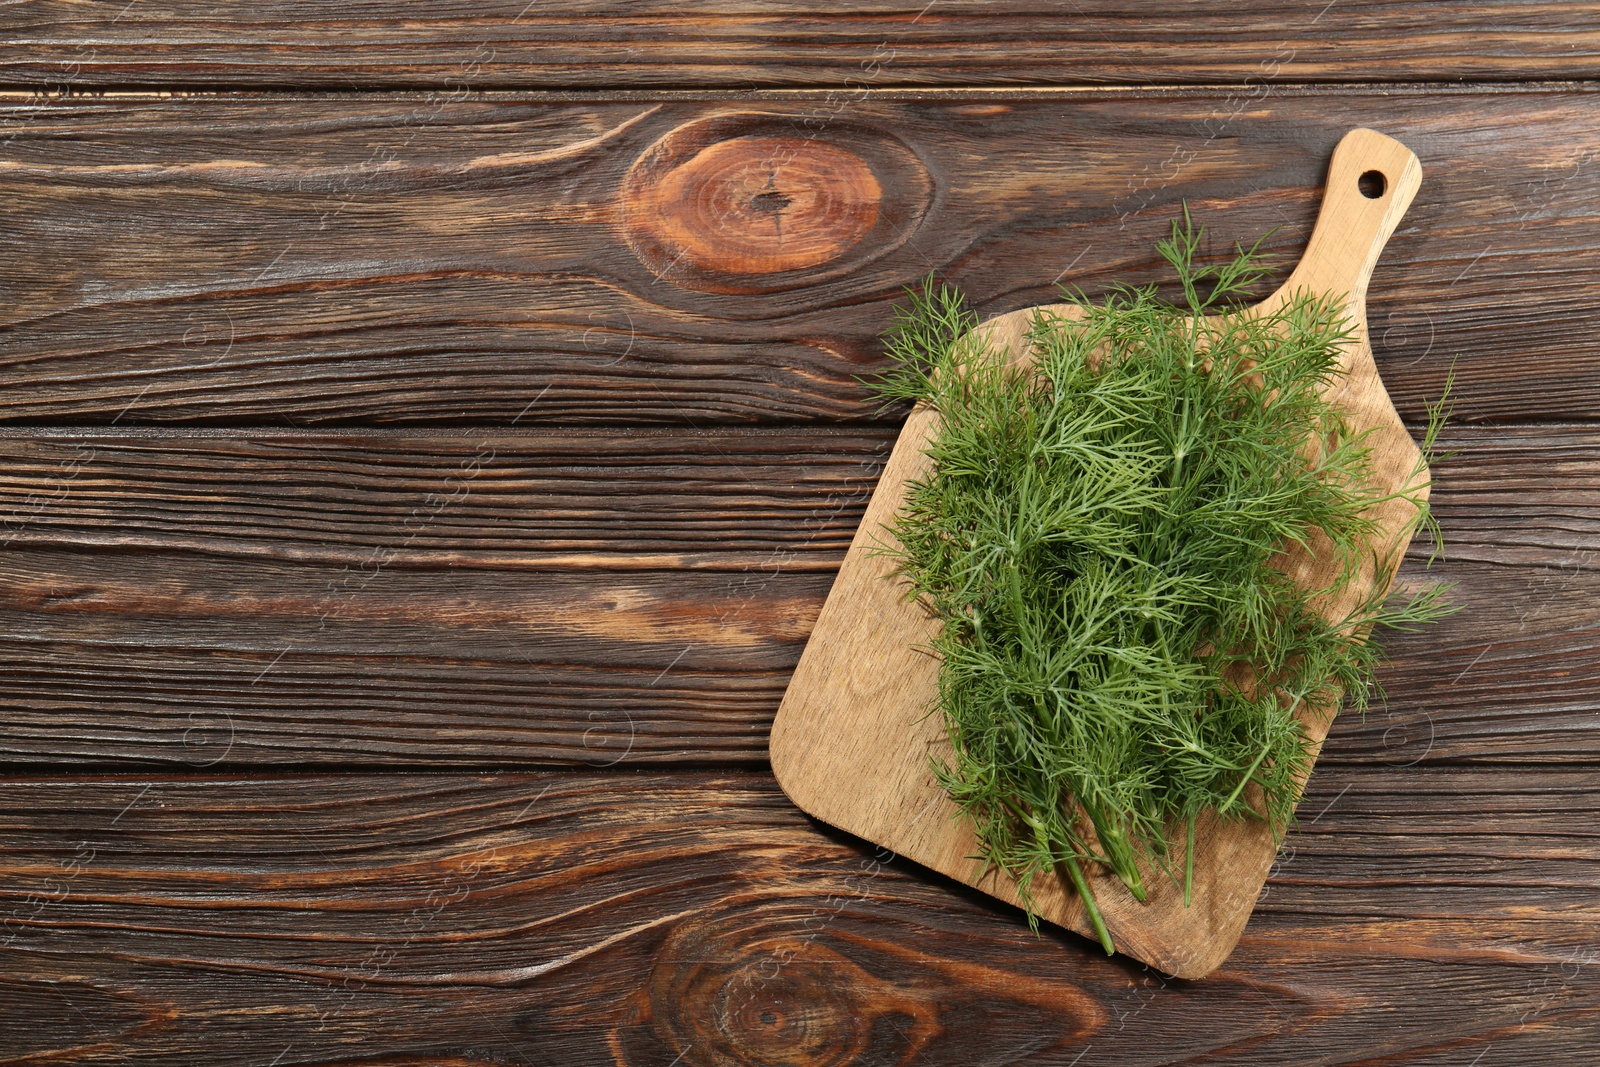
[1096, 536]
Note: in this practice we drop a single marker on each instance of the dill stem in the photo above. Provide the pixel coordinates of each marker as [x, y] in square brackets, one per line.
[1087, 896]
[1245, 778]
[1188, 866]
[1119, 854]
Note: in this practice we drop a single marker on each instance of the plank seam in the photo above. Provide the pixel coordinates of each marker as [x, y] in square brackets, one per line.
[26, 93]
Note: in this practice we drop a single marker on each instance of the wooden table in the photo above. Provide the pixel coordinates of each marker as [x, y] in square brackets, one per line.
[431, 429]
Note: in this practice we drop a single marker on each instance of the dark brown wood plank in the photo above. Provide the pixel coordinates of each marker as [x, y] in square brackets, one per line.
[511, 259]
[218, 597]
[740, 43]
[163, 655]
[580, 596]
[1423, 917]
[558, 501]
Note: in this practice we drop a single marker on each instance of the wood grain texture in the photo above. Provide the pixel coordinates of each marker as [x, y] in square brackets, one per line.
[185, 661]
[289, 261]
[558, 501]
[854, 743]
[697, 918]
[740, 43]
[163, 593]
[469, 264]
[579, 596]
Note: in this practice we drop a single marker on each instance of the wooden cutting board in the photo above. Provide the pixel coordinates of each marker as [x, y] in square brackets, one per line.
[852, 741]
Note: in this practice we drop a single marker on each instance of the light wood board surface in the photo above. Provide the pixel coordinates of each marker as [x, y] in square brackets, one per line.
[853, 742]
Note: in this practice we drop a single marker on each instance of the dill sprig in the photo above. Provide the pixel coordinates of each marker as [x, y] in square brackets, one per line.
[1097, 533]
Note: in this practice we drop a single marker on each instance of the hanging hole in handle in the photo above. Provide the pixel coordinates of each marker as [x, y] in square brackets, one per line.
[1372, 184]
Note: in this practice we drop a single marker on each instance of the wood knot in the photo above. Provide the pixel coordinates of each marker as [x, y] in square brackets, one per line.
[791, 1002]
[824, 981]
[757, 205]
[742, 204]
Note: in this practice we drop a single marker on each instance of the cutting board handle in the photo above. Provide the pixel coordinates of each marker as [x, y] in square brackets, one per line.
[1371, 181]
